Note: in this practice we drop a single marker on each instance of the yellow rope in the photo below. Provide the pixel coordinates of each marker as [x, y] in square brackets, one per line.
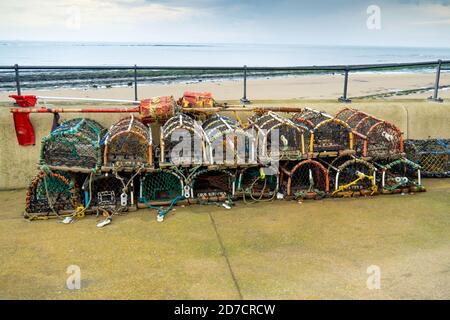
[361, 176]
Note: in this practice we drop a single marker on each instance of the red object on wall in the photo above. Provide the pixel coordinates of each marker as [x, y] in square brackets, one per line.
[24, 127]
[24, 101]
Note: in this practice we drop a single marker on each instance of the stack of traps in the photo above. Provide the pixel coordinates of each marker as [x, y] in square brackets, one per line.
[316, 156]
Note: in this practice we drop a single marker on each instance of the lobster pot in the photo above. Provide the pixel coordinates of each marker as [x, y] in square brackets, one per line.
[354, 177]
[256, 183]
[329, 136]
[75, 143]
[182, 142]
[278, 138]
[57, 190]
[433, 156]
[160, 188]
[401, 175]
[351, 116]
[128, 144]
[373, 138]
[228, 143]
[213, 185]
[108, 192]
[307, 179]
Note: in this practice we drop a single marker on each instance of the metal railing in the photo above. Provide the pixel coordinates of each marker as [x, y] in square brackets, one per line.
[346, 69]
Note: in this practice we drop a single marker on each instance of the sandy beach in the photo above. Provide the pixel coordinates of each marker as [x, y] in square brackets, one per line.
[276, 88]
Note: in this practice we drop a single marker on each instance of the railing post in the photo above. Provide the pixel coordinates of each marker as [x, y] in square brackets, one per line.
[344, 98]
[16, 69]
[135, 84]
[435, 96]
[244, 99]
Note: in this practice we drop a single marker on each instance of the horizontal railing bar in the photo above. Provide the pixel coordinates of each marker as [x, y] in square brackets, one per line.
[235, 68]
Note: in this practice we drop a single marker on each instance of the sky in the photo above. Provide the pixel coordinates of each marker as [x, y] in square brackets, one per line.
[416, 23]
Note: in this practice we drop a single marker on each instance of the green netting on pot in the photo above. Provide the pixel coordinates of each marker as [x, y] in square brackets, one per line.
[52, 193]
[160, 186]
[75, 143]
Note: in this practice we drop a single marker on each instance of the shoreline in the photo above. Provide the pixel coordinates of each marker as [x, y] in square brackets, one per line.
[314, 86]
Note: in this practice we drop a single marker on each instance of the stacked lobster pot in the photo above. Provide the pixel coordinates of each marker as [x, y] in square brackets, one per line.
[198, 156]
[279, 141]
[128, 151]
[381, 143]
[328, 138]
[72, 149]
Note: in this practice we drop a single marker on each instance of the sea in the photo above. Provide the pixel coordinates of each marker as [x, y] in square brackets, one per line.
[39, 53]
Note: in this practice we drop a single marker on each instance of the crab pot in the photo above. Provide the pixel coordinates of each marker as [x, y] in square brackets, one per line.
[108, 192]
[182, 142]
[256, 183]
[128, 144]
[57, 190]
[160, 188]
[307, 179]
[373, 138]
[278, 138]
[228, 143]
[351, 116]
[401, 175]
[354, 177]
[213, 185]
[433, 156]
[329, 136]
[74, 144]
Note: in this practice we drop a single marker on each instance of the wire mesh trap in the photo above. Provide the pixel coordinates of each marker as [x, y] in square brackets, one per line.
[373, 138]
[328, 134]
[401, 175]
[256, 183]
[75, 143]
[228, 143]
[433, 156]
[213, 185]
[355, 177]
[160, 188]
[182, 141]
[128, 144]
[51, 194]
[278, 138]
[307, 179]
[108, 192]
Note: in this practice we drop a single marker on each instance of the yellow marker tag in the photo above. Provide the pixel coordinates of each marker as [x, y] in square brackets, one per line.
[262, 175]
[80, 211]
